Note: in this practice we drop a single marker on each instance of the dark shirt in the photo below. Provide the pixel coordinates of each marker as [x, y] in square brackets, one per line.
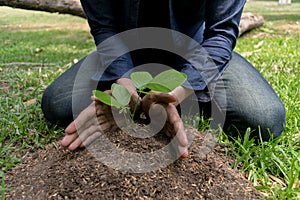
[154, 13]
[212, 23]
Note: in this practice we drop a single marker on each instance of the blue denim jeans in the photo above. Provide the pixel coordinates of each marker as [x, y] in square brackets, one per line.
[242, 97]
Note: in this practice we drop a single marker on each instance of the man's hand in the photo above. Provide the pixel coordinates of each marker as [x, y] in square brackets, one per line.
[98, 118]
[88, 126]
[161, 105]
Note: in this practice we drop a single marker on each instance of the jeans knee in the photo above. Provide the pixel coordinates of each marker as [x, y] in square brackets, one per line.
[266, 121]
[278, 120]
[271, 122]
[55, 110]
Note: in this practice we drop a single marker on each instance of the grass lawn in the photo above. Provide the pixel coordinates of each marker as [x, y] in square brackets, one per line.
[35, 47]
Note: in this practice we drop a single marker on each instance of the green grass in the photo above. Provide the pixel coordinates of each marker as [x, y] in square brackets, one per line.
[274, 13]
[46, 41]
[43, 46]
[274, 167]
[51, 42]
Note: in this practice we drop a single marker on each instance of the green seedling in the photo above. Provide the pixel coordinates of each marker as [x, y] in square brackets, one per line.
[166, 81]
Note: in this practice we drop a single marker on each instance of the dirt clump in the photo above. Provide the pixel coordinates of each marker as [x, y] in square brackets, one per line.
[56, 173]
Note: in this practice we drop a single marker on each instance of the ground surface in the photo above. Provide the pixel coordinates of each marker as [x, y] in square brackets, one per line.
[56, 173]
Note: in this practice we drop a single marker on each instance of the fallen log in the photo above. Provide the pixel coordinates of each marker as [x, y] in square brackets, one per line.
[72, 7]
[250, 21]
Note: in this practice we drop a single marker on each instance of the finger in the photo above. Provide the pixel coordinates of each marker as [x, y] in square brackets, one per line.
[112, 119]
[68, 139]
[157, 97]
[94, 98]
[71, 128]
[181, 134]
[163, 97]
[102, 109]
[158, 116]
[90, 139]
[83, 120]
[75, 144]
[128, 84]
[183, 151]
[102, 119]
[175, 119]
[83, 135]
[158, 111]
[89, 117]
[106, 127]
[95, 135]
[89, 135]
[108, 92]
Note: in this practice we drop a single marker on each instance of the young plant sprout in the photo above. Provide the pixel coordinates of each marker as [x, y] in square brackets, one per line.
[166, 81]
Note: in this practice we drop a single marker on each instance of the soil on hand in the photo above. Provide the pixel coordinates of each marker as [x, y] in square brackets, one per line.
[56, 173]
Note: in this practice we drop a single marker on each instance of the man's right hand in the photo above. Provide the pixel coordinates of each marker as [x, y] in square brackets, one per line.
[98, 118]
[89, 125]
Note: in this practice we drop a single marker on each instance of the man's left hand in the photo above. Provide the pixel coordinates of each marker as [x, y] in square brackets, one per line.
[158, 104]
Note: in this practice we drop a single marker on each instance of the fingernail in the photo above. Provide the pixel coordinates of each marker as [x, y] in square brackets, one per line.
[184, 155]
[62, 143]
[183, 152]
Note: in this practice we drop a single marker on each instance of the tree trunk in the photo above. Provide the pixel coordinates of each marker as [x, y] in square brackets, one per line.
[73, 7]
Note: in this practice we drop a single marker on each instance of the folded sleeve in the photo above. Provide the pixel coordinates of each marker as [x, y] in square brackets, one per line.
[218, 39]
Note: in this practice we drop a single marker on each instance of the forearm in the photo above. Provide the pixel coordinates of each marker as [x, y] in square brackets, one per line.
[207, 62]
[222, 28]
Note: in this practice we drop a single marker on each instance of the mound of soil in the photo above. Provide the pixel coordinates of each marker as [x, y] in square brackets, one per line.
[56, 173]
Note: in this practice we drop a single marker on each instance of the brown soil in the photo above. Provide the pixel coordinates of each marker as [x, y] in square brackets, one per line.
[56, 173]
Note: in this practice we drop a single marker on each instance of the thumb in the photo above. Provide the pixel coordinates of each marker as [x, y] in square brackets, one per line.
[162, 97]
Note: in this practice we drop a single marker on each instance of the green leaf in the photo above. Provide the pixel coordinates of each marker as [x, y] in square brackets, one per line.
[106, 98]
[140, 79]
[121, 94]
[166, 81]
[158, 87]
